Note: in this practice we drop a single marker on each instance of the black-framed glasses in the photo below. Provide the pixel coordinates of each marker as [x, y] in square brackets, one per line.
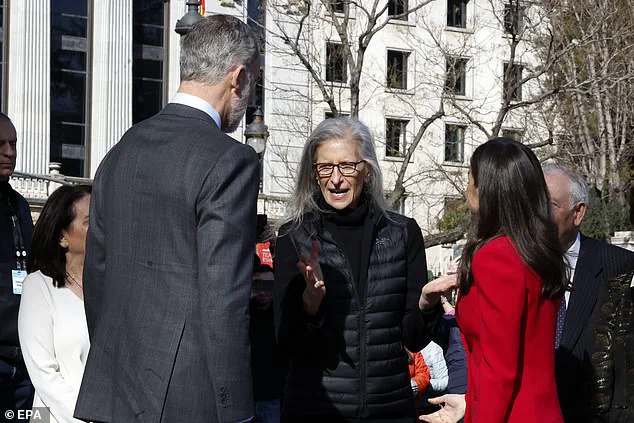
[324, 170]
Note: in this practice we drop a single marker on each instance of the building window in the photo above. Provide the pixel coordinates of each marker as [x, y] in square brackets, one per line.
[395, 137]
[336, 70]
[148, 66]
[457, 13]
[515, 134]
[456, 78]
[397, 9]
[69, 85]
[513, 18]
[512, 82]
[330, 115]
[454, 143]
[397, 69]
[337, 6]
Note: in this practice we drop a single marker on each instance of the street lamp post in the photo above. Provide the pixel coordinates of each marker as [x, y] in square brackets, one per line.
[256, 133]
[184, 24]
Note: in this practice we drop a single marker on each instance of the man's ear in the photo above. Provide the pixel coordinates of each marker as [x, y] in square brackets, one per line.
[580, 212]
[239, 80]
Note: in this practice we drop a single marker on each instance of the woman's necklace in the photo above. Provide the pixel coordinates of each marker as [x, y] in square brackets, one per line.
[75, 281]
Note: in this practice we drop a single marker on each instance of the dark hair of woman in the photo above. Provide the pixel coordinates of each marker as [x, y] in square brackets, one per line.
[513, 201]
[57, 215]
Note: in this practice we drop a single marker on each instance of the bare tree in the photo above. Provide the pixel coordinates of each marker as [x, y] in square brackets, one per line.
[596, 116]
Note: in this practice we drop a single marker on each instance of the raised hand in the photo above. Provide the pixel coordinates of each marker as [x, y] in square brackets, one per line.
[431, 292]
[452, 412]
[315, 289]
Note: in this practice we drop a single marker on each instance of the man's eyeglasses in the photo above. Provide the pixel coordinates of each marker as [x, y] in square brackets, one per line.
[324, 170]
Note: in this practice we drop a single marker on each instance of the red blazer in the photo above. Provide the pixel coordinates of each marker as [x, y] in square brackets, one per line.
[509, 334]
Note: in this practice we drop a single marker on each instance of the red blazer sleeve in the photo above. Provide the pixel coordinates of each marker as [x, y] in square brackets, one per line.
[499, 276]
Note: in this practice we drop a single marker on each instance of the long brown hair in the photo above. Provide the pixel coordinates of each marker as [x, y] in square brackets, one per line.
[513, 201]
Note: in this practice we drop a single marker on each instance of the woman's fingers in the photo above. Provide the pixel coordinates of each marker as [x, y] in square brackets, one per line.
[437, 400]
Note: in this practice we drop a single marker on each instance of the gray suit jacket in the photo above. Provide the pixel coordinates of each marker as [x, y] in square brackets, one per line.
[168, 273]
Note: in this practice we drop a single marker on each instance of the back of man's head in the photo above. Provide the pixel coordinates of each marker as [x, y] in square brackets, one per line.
[215, 46]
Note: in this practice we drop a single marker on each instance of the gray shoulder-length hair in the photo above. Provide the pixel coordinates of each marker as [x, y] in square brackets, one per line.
[306, 187]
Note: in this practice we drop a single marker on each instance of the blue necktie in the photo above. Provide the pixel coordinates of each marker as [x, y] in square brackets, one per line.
[561, 318]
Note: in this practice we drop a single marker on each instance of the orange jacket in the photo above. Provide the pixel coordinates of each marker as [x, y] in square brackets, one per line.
[419, 371]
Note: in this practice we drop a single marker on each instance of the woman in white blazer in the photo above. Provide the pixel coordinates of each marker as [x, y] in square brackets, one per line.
[51, 322]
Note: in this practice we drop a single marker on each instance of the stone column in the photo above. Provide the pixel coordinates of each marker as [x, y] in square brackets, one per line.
[111, 94]
[177, 9]
[29, 76]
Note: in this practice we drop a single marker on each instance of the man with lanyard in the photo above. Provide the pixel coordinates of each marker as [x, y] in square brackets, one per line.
[16, 227]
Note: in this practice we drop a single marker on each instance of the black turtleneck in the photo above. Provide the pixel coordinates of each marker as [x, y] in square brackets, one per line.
[350, 228]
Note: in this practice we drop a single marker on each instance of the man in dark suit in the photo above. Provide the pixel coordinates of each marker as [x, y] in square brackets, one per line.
[170, 247]
[592, 263]
[16, 227]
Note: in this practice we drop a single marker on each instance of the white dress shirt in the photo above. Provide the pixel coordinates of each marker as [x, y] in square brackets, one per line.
[197, 103]
[571, 256]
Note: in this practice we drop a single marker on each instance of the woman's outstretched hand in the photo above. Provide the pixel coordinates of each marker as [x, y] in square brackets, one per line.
[315, 289]
[431, 292]
[452, 411]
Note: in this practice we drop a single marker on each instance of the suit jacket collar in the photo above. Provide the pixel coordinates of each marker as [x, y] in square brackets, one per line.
[188, 112]
[585, 291]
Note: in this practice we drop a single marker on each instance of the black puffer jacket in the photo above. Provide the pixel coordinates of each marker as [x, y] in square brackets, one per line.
[349, 361]
[612, 362]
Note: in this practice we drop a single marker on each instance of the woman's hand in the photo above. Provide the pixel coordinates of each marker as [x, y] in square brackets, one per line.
[431, 292]
[452, 412]
[315, 289]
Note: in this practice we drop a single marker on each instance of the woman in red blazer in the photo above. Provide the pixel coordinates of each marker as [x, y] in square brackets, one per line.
[512, 277]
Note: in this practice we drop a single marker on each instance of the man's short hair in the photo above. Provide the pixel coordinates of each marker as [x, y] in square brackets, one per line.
[215, 46]
[578, 187]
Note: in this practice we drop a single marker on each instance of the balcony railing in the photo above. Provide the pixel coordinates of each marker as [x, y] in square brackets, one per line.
[36, 188]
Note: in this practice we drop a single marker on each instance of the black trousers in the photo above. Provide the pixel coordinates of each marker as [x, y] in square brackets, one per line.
[16, 391]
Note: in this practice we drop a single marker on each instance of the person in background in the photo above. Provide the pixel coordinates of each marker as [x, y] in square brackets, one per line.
[170, 247]
[455, 356]
[419, 374]
[591, 263]
[268, 377]
[16, 226]
[439, 376]
[611, 391]
[52, 321]
[512, 278]
[350, 288]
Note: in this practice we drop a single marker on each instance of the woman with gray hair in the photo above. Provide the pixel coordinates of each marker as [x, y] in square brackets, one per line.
[349, 286]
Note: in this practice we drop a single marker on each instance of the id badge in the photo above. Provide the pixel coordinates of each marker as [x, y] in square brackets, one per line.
[18, 277]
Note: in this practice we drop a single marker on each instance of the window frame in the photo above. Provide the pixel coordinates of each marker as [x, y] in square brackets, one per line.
[459, 142]
[405, 80]
[329, 60]
[510, 25]
[402, 139]
[451, 62]
[451, 16]
[403, 6]
[517, 75]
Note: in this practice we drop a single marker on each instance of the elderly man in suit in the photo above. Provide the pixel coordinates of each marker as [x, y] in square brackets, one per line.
[592, 263]
[170, 247]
